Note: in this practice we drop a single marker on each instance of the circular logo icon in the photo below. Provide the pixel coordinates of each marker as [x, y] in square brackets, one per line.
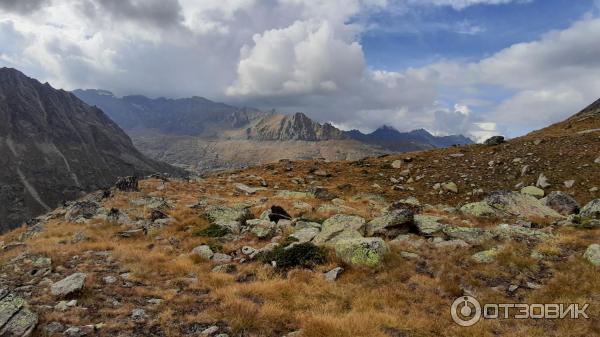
[466, 311]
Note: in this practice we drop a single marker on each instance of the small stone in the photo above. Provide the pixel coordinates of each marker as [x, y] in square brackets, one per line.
[155, 301]
[512, 288]
[211, 330]
[109, 279]
[333, 274]
[533, 191]
[139, 315]
[247, 250]
[569, 183]
[450, 187]
[397, 164]
[220, 258]
[592, 254]
[409, 255]
[542, 181]
[204, 252]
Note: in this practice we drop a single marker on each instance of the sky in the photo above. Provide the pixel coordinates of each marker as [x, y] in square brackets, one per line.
[472, 67]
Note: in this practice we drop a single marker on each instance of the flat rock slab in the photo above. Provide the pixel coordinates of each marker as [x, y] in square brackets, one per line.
[69, 285]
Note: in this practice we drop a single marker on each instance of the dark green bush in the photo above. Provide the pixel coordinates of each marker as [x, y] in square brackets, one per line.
[305, 255]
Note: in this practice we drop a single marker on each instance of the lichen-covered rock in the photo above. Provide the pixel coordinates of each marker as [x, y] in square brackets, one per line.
[473, 236]
[366, 252]
[390, 224]
[562, 203]
[591, 210]
[533, 191]
[204, 252]
[69, 285]
[263, 229]
[340, 226]
[520, 205]
[15, 318]
[486, 256]
[428, 224]
[228, 217]
[592, 254]
[480, 209]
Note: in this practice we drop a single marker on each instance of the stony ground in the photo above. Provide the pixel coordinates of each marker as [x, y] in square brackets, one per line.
[375, 247]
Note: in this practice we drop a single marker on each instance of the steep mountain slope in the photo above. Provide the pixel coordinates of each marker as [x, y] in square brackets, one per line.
[53, 147]
[377, 247]
[203, 135]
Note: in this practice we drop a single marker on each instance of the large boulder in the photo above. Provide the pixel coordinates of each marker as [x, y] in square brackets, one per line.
[506, 232]
[305, 234]
[364, 252]
[15, 317]
[591, 210]
[520, 205]
[231, 218]
[493, 141]
[562, 203]
[340, 226]
[69, 286]
[391, 224]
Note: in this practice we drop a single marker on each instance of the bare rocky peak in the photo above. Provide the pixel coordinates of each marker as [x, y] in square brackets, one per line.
[294, 127]
[54, 147]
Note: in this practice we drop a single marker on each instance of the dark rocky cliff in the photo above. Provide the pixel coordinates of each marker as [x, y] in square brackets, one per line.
[54, 147]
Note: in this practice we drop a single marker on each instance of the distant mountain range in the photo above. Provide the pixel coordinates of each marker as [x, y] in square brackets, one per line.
[166, 129]
[54, 147]
[393, 140]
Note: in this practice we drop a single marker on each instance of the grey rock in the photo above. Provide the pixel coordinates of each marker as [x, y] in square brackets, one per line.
[521, 205]
[592, 254]
[139, 315]
[220, 258]
[81, 210]
[391, 224]
[562, 203]
[493, 141]
[305, 234]
[542, 181]
[16, 319]
[333, 274]
[69, 285]
[204, 252]
[591, 210]
[340, 226]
